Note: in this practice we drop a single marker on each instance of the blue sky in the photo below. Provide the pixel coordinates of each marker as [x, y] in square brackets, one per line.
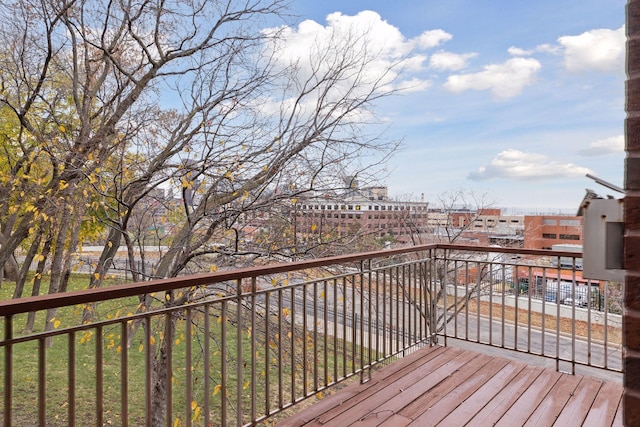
[517, 99]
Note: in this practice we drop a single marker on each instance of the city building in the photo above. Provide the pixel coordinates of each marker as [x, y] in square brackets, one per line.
[544, 231]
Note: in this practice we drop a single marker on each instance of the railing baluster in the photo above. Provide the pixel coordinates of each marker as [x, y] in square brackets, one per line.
[503, 275]
[8, 369]
[336, 354]
[124, 372]
[370, 318]
[148, 372]
[168, 342]
[293, 343]
[490, 265]
[71, 410]
[544, 315]
[187, 366]
[325, 332]
[99, 376]
[254, 333]
[239, 347]
[267, 353]
[224, 382]
[315, 339]
[207, 365]
[344, 327]
[42, 382]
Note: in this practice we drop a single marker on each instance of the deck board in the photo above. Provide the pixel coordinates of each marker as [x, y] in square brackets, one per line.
[447, 386]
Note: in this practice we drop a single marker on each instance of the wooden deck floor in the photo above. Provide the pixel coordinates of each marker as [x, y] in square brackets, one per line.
[448, 386]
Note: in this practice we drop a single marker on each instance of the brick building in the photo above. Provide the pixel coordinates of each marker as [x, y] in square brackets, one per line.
[367, 211]
[544, 231]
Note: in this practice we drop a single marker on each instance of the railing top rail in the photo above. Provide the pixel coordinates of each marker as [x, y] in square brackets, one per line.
[87, 296]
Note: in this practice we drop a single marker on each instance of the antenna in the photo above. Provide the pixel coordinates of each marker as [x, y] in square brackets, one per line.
[606, 184]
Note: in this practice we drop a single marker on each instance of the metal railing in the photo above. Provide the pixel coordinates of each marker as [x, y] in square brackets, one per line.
[237, 347]
[531, 302]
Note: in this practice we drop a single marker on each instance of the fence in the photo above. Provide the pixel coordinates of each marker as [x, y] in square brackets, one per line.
[237, 347]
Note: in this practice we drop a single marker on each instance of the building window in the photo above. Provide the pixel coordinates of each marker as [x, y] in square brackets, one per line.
[547, 221]
[569, 237]
[549, 236]
[570, 222]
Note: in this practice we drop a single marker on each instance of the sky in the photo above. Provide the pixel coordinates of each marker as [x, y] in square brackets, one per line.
[517, 100]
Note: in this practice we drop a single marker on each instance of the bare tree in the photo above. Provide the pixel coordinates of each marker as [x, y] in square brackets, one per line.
[111, 101]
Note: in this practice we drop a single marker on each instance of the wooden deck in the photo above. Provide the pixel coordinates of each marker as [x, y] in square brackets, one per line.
[448, 386]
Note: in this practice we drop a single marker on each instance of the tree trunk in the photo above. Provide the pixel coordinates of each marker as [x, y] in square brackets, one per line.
[11, 269]
[22, 277]
[161, 377]
[37, 281]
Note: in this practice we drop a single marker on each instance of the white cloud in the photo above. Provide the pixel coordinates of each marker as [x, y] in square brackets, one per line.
[520, 165]
[516, 51]
[600, 50]
[432, 38]
[504, 80]
[413, 85]
[603, 147]
[442, 60]
[361, 37]
[544, 48]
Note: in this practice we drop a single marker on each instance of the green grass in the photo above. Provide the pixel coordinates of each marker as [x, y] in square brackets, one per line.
[25, 365]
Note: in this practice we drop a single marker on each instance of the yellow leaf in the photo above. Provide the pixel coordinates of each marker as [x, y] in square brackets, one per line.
[56, 324]
[110, 244]
[152, 340]
[141, 348]
[62, 129]
[216, 389]
[176, 423]
[213, 268]
[194, 405]
[41, 258]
